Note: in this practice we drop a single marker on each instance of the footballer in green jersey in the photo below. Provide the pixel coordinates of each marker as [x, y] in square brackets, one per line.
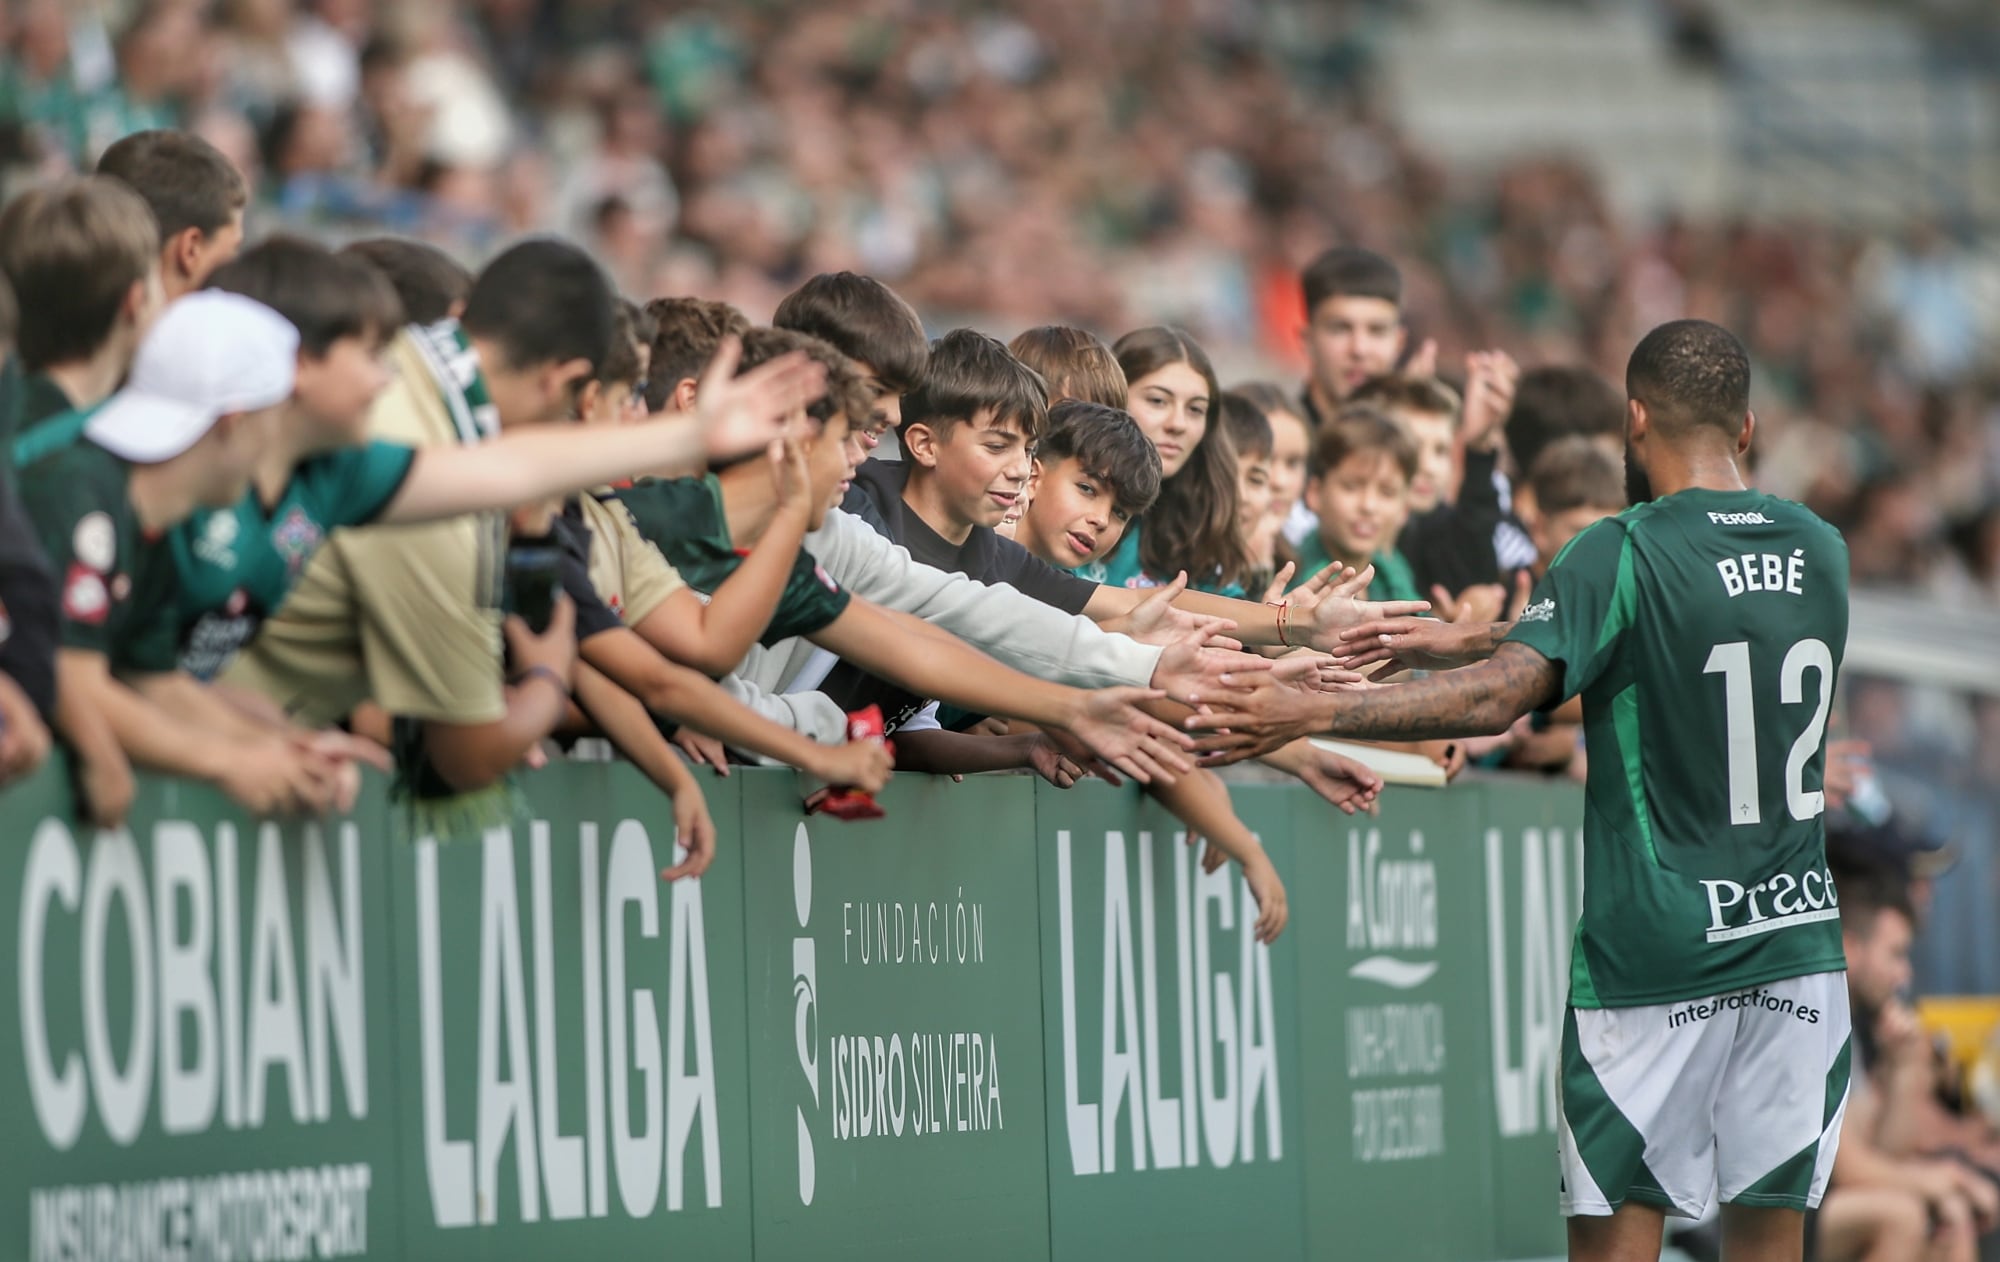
[1706, 1044]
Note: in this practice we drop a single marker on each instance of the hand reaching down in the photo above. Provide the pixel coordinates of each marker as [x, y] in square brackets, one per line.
[694, 833]
[702, 749]
[1269, 892]
[1349, 785]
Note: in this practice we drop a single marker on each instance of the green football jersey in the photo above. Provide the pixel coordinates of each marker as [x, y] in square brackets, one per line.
[1704, 631]
[117, 578]
[684, 519]
[235, 565]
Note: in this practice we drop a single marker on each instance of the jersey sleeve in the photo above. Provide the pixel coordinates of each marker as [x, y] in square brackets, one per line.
[355, 485]
[811, 600]
[80, 532]
[1582, 607]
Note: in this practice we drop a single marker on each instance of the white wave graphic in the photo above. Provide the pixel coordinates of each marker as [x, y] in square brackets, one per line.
[1389, 971]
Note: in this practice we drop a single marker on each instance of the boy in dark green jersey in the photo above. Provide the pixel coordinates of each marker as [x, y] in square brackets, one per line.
[184, 433]
[1706, 1044]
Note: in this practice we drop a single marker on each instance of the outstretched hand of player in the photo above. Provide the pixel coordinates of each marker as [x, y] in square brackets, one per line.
[1320, 623]
[1253, 715]
[1414, 644]
[741, 415]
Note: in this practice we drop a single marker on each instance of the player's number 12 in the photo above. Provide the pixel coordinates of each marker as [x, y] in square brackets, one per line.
[1732, 662]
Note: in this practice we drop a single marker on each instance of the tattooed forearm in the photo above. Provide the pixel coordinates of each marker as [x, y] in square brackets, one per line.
[1481, 700]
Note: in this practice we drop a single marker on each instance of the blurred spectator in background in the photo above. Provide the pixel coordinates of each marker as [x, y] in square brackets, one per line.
[1088, 164]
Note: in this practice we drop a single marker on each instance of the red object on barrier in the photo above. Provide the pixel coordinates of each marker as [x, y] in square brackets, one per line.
[846, 801]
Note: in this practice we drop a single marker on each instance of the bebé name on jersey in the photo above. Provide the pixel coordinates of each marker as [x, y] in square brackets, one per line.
[1740, 519]
[1763, 572]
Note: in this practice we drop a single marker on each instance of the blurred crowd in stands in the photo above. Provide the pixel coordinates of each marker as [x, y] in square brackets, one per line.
[1106, 165]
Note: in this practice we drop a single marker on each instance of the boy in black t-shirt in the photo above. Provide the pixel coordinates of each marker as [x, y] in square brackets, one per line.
[968, 435]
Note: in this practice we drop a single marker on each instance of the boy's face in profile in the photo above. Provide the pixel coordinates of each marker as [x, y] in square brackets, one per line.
[1350, 339]
[833, 453]
[337, 389]
[1553, 531]
[1438, 472]
[1362, 504]
[887, 414]
[981, 468]
[1074, 518]
[1253, 493]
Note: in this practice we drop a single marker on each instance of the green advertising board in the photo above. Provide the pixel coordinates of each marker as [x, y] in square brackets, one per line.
[207, 1025]
[1392, 1008]
[896, 1025]
[1004, 1021]
[1174, 1125]
[572, 1040]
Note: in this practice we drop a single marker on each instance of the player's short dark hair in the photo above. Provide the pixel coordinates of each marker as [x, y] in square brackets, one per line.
[686, 333]
[1248, 428]
[1577, 472]
[863, 319]
[428, 281]
[1690, 374]
[631, 331]
[1554, 402]
[186, 181]
[1348, 271]
[542, 301]
[1395, 392]
[1358, 429]
[1075, 363]
[1109, 446]
[846, 390]
[969, 373]
[1865, 893]
[327, 296]
[72, 250]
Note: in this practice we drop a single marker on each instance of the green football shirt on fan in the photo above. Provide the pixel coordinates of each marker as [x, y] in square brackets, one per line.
[234, 566]
[1704, 631]
[684, 519]
[117, 582]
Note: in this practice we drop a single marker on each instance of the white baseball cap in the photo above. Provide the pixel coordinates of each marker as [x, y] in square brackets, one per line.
[208, 355]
